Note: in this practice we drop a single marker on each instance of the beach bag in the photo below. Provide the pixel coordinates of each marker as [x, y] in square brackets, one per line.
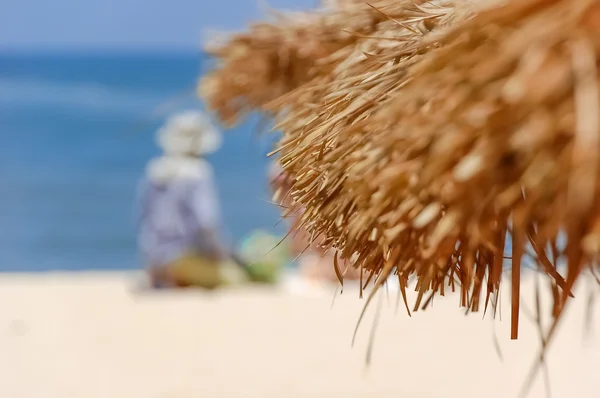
[265, 255]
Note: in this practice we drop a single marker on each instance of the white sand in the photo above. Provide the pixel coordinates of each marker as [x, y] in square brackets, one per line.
[92, 335]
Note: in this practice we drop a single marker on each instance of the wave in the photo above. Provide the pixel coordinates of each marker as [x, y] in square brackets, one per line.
[19, 94]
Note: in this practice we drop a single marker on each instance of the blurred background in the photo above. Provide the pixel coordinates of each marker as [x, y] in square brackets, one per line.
[84, 84]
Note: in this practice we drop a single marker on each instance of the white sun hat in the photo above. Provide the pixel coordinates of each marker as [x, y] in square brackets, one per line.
[188, 132]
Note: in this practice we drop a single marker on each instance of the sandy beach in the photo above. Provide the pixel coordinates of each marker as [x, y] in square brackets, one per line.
[99, 335]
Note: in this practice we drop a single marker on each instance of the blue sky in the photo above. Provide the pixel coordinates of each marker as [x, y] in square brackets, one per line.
[123, 24]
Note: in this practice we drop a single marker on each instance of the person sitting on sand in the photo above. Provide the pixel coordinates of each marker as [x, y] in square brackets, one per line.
[179, 220]
[313, 263]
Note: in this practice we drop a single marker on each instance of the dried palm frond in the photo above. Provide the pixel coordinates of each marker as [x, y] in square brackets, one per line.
[434, 131]
[273, 59]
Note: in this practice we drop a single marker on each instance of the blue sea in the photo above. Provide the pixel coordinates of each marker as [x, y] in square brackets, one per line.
[77, 131]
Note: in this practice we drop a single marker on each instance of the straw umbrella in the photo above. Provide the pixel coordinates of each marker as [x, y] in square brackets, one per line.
[274, 58]
[422, 136]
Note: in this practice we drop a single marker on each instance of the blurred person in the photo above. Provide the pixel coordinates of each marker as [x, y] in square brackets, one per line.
[314, 264]
[180, 220]
[280, 186]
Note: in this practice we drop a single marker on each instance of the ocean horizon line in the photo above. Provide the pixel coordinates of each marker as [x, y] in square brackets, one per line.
[134, 52]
